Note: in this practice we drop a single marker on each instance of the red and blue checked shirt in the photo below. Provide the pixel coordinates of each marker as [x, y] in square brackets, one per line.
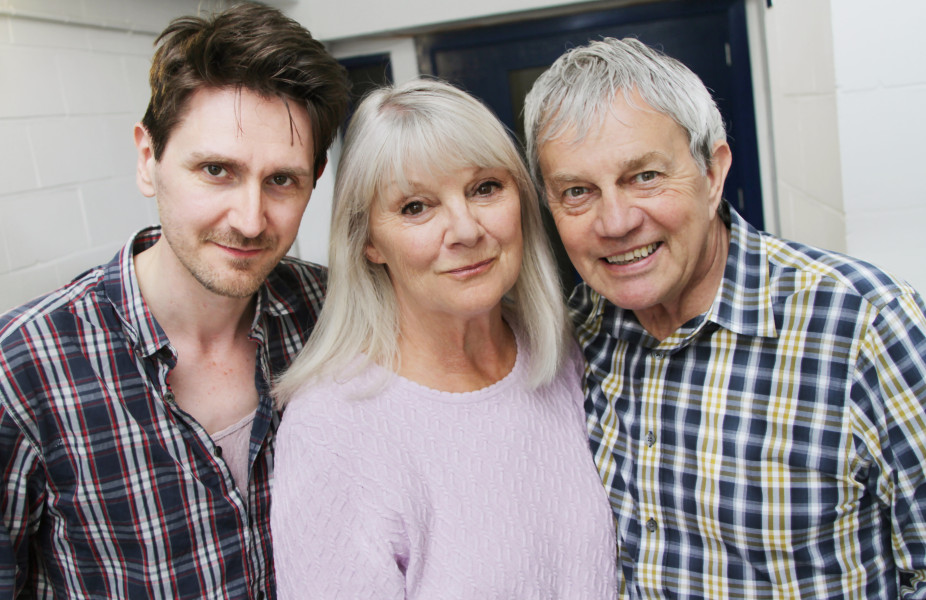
[774, 447]
[109, 490]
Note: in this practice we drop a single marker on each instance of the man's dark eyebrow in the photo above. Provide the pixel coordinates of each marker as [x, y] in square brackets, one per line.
[293, 172]
[207, 158]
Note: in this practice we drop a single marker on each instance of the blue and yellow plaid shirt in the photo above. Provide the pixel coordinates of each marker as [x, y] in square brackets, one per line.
[774, 447]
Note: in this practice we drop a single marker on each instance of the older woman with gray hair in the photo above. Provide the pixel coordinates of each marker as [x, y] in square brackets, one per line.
[434, 441]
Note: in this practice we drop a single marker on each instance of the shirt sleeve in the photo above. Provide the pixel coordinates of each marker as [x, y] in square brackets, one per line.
[21, 499]
[889, 394]
[331, 537]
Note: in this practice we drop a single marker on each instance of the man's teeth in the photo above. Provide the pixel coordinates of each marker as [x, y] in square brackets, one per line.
[629, 257]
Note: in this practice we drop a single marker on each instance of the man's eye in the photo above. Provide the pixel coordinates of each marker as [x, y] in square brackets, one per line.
[575, 192]
[281, 180]
[215, 170]
[413, 208]
[646, 176]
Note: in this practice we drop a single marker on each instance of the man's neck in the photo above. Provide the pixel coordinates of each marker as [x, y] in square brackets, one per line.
[213, 380]
[663, 320]
[182, 306]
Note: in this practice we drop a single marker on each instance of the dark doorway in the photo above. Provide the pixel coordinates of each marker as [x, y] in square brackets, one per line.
[365, 73]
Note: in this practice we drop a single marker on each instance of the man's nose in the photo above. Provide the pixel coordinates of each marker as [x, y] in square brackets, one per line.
[247, 215]
[618, 214]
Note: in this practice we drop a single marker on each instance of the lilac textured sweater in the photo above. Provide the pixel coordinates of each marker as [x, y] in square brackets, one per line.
[417, 493]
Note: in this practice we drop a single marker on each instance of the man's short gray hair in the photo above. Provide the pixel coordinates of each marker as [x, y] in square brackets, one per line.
[579, 88]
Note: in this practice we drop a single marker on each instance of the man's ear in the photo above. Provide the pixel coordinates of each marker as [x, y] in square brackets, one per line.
[319, 171]
[144, 169]
[721, 159]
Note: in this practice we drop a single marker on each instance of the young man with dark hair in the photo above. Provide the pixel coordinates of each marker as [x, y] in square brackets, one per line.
[136, 428]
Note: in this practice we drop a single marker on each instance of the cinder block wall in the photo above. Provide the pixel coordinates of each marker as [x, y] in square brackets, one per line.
[73, 81]
[68, 200]
[881, 92]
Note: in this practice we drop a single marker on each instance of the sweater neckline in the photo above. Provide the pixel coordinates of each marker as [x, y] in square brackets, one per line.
[514, 377]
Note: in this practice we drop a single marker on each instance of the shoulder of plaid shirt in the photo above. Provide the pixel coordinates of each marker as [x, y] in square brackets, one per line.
[809, 422]
[108, 489]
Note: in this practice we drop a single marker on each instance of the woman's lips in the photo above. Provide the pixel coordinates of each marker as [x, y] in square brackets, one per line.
[472, 269]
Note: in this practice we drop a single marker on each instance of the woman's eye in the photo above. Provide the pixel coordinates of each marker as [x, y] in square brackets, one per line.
[413, 208]
[487, 188]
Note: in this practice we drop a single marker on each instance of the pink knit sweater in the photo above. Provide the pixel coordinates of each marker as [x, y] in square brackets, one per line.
[417, 493]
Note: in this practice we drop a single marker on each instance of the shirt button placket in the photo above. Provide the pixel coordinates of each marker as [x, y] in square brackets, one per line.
[652, 550]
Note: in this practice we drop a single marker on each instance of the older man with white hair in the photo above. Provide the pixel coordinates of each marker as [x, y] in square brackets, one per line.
[755, 406]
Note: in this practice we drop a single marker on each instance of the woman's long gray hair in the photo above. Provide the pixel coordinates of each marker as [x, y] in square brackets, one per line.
[431, 125]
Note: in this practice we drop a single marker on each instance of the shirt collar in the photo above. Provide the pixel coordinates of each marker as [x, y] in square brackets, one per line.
[274, 297]
[122, 290]
[743, 303]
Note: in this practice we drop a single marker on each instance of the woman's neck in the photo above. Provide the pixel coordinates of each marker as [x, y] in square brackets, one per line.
[457, 355]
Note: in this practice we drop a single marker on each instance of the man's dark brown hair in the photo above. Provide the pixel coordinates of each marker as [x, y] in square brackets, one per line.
[248, 46]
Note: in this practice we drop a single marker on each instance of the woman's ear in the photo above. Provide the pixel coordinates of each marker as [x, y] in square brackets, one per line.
[373, 255]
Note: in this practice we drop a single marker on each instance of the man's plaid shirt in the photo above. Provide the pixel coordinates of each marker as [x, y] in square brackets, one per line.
[774, 447]
[109, 490]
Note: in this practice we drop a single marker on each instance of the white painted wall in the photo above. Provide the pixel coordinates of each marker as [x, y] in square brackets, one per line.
[347, 19]
[74, 80]
[847, 87]
[881, 97]
[799, 55]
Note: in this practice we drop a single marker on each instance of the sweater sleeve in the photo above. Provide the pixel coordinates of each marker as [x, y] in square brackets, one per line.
[331, 537]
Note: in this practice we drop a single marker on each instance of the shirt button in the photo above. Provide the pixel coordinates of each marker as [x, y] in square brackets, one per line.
[651, 525]
[260, 595]
[169, 398]
[650, 439]
[218, 451]
[659, 355]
